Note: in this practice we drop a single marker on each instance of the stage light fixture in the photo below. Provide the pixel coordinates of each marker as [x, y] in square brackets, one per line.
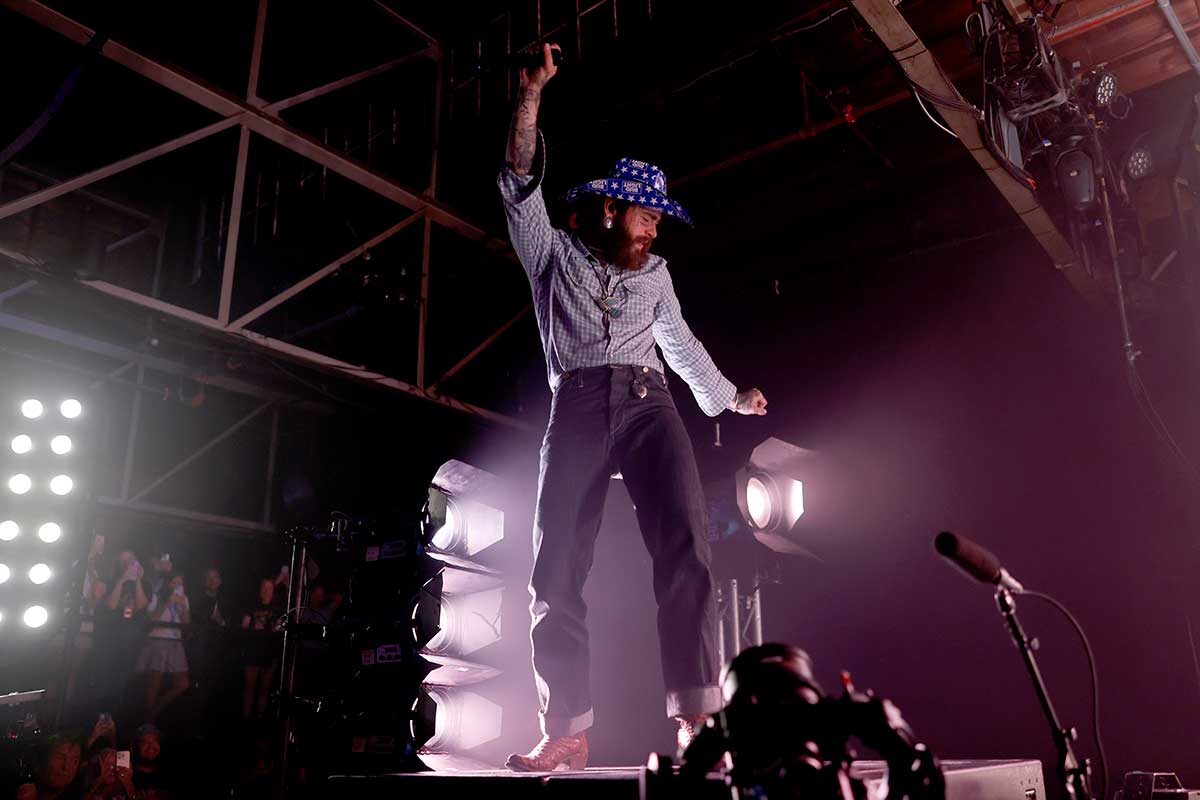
[50, 532]
[9, 530]
[39, 574]
[31, 409]
[61, 445]
[36, 616]
[70, 408]
[1139, 163]
[459, 624]
[447, 720]
[20, 483]
[460, 520]
[458, 611]
[61, 484]
[766, 496]
[1099, 87]
[5, 573]
[22, 444]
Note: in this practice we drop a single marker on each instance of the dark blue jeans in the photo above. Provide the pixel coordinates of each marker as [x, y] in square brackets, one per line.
[597, 426]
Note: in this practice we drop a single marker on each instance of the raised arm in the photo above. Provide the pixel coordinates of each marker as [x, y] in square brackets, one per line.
[522, 136]
[529, 227]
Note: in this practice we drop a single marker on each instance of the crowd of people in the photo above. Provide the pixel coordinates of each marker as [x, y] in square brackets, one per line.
[158, 648]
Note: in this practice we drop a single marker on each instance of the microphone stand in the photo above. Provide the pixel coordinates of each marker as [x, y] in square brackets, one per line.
[1072, 772]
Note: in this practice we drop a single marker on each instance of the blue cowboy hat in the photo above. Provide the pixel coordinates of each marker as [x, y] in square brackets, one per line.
[635, 182]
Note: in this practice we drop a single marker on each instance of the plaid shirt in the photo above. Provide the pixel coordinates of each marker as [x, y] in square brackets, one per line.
[568, 295]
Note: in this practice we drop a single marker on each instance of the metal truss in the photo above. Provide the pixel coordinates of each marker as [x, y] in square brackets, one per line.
[922, 69]
[252, 114]
[503, 22]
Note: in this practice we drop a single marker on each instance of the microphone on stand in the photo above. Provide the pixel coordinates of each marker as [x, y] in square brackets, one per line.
[519, 60]
[975, 560]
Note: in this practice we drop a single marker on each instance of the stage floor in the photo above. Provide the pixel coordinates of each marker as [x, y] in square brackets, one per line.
[965, 780]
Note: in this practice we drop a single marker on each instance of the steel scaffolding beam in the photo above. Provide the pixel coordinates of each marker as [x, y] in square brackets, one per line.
[919, 65]
[253, 114]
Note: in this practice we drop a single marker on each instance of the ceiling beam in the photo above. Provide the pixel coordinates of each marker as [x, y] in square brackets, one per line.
[923, 70]
[255, 118]
[89, 344]
[305, 356]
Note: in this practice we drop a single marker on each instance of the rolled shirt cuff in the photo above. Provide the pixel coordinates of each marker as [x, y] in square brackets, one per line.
[566, 726]
[690, 702]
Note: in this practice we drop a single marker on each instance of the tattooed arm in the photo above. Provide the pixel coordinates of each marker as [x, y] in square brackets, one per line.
[529, 229]
[522, 136]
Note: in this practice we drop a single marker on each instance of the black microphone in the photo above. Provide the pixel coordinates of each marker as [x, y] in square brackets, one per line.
[520, 60]
[975, 560]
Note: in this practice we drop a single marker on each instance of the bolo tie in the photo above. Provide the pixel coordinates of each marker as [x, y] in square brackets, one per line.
[610, 307]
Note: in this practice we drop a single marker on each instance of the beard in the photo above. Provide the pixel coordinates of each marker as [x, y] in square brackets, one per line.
[625, 251]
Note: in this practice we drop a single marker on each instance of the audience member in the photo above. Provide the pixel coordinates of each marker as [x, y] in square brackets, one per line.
[261, 653]
[318, 610]
[148, 777]
[210, 608]
[107, 780]
[163, 651]
[65, 682]
[161, 570]
[128, 595]
[55, 771]
[117, 638]
[104, 734]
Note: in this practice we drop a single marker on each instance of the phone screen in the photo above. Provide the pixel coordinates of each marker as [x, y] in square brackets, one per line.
[123, 758]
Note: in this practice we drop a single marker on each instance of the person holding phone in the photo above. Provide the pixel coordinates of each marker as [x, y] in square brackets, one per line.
[603, 303]
[108, 780]
[163, 653]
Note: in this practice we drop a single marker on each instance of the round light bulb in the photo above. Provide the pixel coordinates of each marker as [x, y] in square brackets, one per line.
[32, 409]
[39, 573]
[71, 408]
[758, 502]
[9, 530]
[50, 532]
[22, 444]
[20, 483]
[36, 616]
[61, 445]
[61, 484]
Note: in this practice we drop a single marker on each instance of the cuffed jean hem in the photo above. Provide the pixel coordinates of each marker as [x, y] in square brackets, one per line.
[689, 702]
[566, 726]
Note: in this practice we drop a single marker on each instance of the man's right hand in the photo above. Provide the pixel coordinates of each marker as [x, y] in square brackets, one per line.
[539, 76]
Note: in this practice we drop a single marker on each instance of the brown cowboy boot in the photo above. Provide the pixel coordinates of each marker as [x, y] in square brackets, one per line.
[689, 727]
[552, 753]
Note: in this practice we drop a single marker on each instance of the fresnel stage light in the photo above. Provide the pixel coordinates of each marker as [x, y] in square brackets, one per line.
[457, 614]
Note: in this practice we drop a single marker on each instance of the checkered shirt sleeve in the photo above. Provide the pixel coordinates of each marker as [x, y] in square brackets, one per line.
[687, 357]
[529, 229]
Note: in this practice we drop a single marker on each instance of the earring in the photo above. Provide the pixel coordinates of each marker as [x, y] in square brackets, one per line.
[608, 223]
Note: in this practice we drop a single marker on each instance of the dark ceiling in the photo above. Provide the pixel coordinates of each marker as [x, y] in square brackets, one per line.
[787, 129]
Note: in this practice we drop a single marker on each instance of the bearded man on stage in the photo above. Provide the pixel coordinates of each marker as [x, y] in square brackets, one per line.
[602, 302]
